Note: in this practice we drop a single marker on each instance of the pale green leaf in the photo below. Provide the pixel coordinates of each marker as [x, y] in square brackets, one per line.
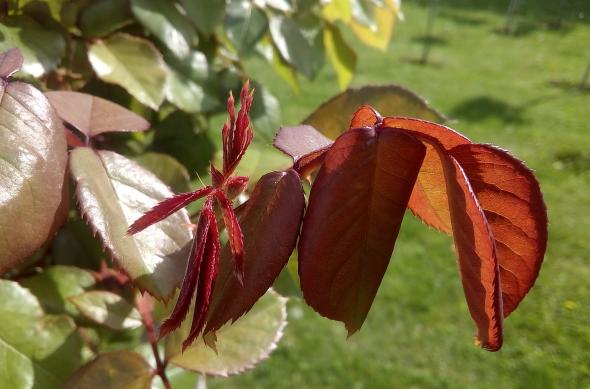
[33, 160]
[285, 70]
[42, 48]
[108, 309]
[342, 56]
[133, 63]
[240, 346]
[112, 193]
[37, 350]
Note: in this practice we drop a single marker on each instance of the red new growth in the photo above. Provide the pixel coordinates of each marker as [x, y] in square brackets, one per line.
[203, 263]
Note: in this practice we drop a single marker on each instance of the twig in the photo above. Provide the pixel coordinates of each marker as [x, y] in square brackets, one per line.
[145, 307]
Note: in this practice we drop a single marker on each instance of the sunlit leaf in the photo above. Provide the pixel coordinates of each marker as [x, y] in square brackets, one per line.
[37, 350]
[32, 165]
[134, 63]
[41, 48]
[513, 205]
[10, 62]
[112, 192]
[379, 34]
[240, 346]
[275, 209]
[167, 169]
[286, 71]
[355, 210]
[165, 21]
[108, 309]
[333, 117]
[205, 14]
[244, 25]
[93, 115]
[300, 140]
[102, 17]
[341, 55]
[184, 92]
[265, 113]
[56, 284]
[115, 370]
[335, 10]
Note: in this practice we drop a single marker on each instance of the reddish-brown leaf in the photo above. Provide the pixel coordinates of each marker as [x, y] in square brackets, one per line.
[355, 211]
[513, 204]
[429, 197]
[93, 115]
[166, 208]
[274, 209]
[234, 232]
[11, 61]
[365, 116]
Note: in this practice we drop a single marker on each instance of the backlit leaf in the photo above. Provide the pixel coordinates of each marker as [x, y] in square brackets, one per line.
[10, 62]
[379, 34]
[513, 204]
[165, 21]
[275, 209]
[355, 210]
[93, 115]
[112, 192]
[286, 71]
[32, 166]
[333, 117]
[121, 369]
[134, 63]
[335, 10]
[108, 309]
[240, 346]
[37, 350]
[41, 48]
[341, 55]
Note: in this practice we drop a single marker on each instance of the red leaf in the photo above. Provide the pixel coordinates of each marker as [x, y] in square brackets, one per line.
[93, 115]
[166, 208]
[236, 239]
[191, 275]
[235, 186]
[237, 133]
[207, 276]
[513, 204]
[429, 197]
[274, 209]
[365, 116]
[355, 211]
[11, 61]
[299, 141]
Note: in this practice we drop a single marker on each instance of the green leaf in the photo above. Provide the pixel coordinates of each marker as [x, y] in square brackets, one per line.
[240, 346]
[333, 117]
[167, 169]
[376, 35]
[56, 284]
[112, 192]
[295, 48]
[42, 48]
[183, 92]
[244, 24]
[102, 17]
[52, 7]
[205, 14]
[32, 170]
[37, 350]
[265, 113]
[342, 56]
[285, 70]
[108, 309]
[133, 63]
[163, 19]
[118, 369]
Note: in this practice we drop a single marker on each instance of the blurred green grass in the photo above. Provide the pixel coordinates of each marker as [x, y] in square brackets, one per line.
[500, 89]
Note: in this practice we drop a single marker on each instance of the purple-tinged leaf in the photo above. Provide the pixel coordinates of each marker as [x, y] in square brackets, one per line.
[11, 61]
[112, 191]
[166, 208]
[355, 210]
[274, 209]
[93, 115]
[300, 140]
[33, 160]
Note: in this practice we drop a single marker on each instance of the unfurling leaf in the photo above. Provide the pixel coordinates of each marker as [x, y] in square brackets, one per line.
[275, 209]
[355, 210]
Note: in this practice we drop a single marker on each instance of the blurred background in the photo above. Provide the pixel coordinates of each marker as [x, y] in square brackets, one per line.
[507, 72]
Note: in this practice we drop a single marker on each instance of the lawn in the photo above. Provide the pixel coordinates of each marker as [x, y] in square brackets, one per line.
[509, 90]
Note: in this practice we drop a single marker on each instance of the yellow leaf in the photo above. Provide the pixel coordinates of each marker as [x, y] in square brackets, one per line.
[342, 57]
[337, 10]
[379, 37]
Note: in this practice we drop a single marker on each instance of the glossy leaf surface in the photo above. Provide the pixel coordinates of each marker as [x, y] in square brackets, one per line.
[108, 309]
[37, 350]
[513, 205]
[93, 115]
[276, 205]
[132, 63]
[112, 192]
[32, 166]
[355, 210]
[239, 346]
[10, 62]
[300, 140]
[121, 369]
